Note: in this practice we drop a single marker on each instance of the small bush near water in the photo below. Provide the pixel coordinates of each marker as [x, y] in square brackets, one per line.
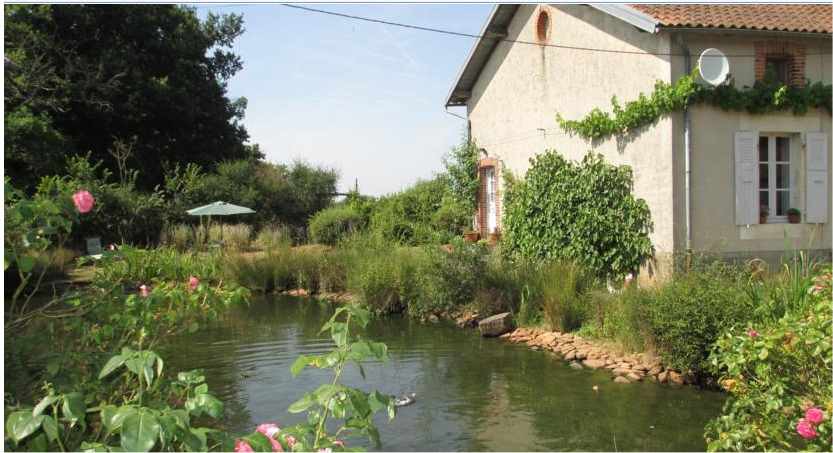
[331, 225]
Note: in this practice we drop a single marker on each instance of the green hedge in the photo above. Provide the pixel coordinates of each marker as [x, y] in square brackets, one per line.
[331, 225]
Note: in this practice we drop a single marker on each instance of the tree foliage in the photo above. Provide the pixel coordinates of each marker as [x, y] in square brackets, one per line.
[584, 212]
[81, 77]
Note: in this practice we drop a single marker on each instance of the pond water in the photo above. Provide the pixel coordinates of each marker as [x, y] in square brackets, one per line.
[473, 393]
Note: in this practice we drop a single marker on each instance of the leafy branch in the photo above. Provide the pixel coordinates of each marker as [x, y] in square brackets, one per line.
[765, 96]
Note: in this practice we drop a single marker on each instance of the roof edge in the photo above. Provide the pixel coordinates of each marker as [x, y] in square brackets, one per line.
[630, 15]
[466, 63]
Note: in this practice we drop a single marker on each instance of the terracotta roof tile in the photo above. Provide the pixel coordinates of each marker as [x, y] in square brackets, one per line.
[773, 17]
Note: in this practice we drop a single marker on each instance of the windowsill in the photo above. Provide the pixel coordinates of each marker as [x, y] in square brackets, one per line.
[776, 231]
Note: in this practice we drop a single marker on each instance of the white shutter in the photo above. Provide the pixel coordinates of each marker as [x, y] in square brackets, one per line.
[746, 210]
[817, 175]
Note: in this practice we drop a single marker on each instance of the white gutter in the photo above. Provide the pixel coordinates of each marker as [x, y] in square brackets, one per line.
[687, 139]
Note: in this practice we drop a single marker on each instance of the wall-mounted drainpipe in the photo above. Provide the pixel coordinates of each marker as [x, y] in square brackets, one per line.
[687, 137]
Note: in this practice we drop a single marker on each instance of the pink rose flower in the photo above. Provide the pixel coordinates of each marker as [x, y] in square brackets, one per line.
[752, 333]
[144, 291]
[83, 201]
[193, 282]
[270, 430]
[242, 445]
[806, 429]
[339, 443]
[325, 450]
[814, 415]
[290, 441]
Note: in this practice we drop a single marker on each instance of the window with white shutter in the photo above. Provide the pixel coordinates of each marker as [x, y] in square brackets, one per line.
[817, 175]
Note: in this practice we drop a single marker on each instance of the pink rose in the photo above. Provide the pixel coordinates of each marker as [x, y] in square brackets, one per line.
[144, 291]
[325, 450]
[193, 282]
[338, 443]
[290, 441]
[806, 429]
[814, 415]
[242, 445]
[270, 430]
[83, 201]
[752, 333]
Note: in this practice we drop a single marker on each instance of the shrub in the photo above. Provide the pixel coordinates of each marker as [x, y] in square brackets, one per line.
[774, 372]
[688, 314]
[332, 225]
[447, 279]
[583, 212]
[407, 217]
[622, 317]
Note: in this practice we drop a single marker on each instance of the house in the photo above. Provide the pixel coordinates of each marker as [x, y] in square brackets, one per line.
[716, 181]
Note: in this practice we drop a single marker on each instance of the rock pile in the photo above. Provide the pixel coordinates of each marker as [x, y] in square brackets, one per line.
[579, 352]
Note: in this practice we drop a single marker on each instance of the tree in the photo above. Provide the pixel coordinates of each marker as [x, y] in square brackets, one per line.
[83, 77]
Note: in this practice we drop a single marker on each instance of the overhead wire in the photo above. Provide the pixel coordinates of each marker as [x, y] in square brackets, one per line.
[497, 38]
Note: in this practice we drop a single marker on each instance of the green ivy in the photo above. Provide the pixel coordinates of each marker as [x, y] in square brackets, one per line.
[579, 211]
[765, 96]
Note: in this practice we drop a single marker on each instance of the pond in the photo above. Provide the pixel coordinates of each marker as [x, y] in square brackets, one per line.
[473, 393]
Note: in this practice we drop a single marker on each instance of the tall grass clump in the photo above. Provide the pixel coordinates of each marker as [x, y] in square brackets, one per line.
[621, 317]
[132, 266]
[561, 287]
[178, 236]
[235, 237]
[271, 236]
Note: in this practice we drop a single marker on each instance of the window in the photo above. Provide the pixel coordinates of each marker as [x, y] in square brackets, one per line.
[778, 69]
[543, 26]
[774, 181]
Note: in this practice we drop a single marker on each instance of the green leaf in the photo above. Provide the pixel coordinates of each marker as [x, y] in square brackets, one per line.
[258, 441]
[205, 403]
[107, 413]
[93, 447]
[21, 424]
[139, 431]
[121, 414]
[74, 408]
[200, 389]
[300, 363]
[111, 365]
[302, 404]
[25, 264]
[47, 401]
[50, 427]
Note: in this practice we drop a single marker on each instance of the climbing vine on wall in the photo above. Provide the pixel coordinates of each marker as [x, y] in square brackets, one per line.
[764, 96]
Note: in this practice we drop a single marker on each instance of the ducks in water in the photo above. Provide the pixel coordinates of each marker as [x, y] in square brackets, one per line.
[404, 400]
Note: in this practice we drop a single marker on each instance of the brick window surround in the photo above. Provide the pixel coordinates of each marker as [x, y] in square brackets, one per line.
[482, 223]
[792, 52]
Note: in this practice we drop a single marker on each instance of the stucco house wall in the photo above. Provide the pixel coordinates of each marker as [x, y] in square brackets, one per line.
[515, 100]
[712, 156]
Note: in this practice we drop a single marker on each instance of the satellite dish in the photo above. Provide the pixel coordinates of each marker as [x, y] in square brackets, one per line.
[714, 66]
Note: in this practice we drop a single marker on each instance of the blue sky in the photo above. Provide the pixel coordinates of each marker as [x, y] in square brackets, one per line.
[364, 98]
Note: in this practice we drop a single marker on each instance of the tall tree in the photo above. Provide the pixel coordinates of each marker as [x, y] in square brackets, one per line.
[85, 78]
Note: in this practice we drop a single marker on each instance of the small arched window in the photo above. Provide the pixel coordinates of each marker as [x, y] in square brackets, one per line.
[543, 26]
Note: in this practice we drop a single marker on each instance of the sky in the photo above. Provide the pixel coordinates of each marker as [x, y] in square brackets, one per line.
[366, 99]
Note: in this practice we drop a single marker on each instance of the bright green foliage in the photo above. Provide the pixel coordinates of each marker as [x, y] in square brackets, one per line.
[134, 266]
[774, 371]
[142, 420]
[688, 314]
[332, 225]
[583, 212]
[334, 400]
[461, 168]
[765, 96]
[621, 317]
[280, 194]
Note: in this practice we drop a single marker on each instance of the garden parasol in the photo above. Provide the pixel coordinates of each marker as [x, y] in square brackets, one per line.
[219, 208]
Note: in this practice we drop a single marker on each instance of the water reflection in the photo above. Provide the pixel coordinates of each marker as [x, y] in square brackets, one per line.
[472, 393]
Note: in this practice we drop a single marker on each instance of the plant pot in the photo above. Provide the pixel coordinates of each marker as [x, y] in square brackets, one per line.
[471, 236]
[794, 218]
[762, 218]
[494, 238]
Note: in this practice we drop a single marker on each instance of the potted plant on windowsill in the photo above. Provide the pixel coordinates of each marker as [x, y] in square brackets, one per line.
[763, 213]
[794, 215]
[471, 236]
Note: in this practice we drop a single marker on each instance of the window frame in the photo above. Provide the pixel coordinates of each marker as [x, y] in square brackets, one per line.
[772, 188]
